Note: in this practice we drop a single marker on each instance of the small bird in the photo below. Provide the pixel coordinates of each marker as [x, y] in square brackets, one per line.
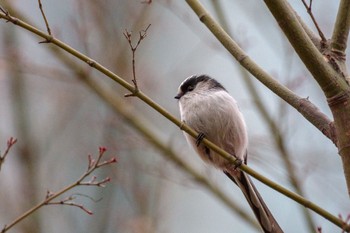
[210, 110]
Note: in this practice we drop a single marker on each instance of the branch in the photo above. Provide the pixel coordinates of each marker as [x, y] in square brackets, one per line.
[133, 48]
[10, 143]
[180, 124]
[309, 11]
[45, 19]
[341, 28]
[50, 196]
[313, 37]
[304, 106]
[331, 82]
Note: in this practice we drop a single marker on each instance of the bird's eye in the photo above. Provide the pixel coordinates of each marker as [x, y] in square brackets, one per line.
[190, 88]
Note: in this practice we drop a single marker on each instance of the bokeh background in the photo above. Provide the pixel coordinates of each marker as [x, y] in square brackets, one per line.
[58, 119]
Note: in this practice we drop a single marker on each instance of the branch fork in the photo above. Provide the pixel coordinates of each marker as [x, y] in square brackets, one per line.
[133, 48]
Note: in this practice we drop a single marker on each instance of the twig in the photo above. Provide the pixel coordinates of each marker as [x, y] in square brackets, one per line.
[346, 220]
[68, 201]
[10, 143]
[9, 18]
[142, 35]
[309, 11]
[46, 22]
[93, 164]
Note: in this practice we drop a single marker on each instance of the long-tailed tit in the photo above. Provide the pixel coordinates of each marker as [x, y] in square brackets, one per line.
[206, 106]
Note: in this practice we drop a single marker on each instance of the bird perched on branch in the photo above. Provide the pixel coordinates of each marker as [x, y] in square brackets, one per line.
[210, 110]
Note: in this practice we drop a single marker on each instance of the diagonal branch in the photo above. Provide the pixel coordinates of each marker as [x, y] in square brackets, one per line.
[341, 28]
[309, 11]
[313, 37]
[10, 143]
[301, 200]
[44, 17]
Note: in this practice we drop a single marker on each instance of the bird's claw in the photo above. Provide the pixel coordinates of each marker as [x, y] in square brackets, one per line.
[199, 138]
[238, 163]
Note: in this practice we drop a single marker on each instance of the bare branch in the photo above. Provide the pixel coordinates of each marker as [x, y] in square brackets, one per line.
[10, 143]
[50, 196]
[309, 11]
[44, 16]
[69, 202]
[46, 22]
[142, 35]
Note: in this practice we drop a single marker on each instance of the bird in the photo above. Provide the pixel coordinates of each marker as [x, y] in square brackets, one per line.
[207, 107]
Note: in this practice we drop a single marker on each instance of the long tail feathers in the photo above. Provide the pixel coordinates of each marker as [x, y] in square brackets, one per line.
[262, 213]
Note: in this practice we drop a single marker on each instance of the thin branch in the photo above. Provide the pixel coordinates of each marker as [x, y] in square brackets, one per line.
[69, 202]
[184, 127]
[50, 196]
[10, 143]
[309, 11]
[341, 29]
[142, 35]
[46, 21]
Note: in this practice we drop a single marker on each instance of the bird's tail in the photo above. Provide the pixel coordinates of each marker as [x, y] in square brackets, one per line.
[262, 213]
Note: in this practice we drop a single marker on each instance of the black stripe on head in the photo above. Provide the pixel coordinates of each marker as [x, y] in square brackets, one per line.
[190, 83]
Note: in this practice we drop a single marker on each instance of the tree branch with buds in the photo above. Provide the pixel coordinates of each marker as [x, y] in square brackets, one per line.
[93, 165]
[142, 35]
[10, 143]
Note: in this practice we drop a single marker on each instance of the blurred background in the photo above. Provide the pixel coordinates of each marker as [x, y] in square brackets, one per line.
[54, 112]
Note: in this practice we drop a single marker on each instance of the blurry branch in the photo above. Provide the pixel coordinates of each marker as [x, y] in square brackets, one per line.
[147, 1]
[279, 143]
[10, 143]
[341, 29]
[309, 11]
[301, 200]
[93, 164]
[303, 105]
[142, 35]
[45, 19]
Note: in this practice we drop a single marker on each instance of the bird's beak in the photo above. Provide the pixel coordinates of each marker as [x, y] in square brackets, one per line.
[179, 95]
